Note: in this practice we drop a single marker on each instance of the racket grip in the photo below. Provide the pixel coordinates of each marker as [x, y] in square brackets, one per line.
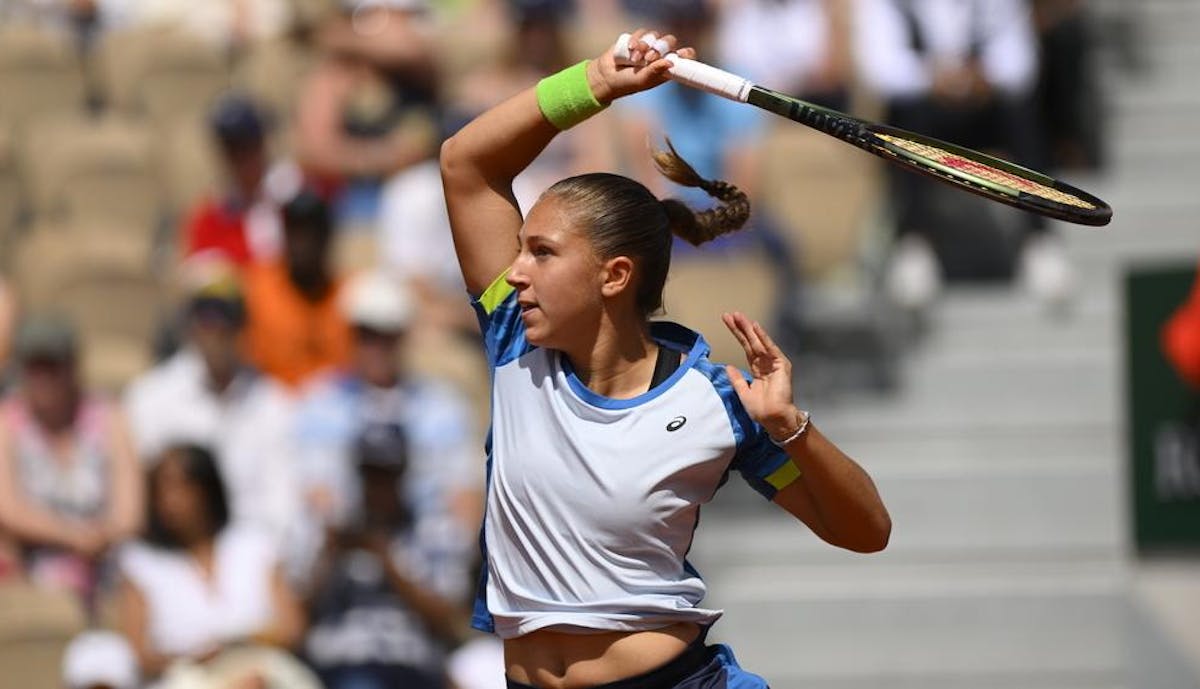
[691, 72]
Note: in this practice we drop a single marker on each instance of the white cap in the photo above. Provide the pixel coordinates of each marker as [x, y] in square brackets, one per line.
[99, 658]
[378, 301]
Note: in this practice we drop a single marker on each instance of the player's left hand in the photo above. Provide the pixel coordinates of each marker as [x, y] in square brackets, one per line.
[768, 398]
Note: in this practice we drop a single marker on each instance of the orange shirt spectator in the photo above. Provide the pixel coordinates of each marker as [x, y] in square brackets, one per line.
[296, 327]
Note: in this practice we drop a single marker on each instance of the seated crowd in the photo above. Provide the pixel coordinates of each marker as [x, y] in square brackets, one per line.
[290, 495]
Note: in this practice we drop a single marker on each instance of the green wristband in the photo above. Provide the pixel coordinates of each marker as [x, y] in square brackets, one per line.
[566, 99]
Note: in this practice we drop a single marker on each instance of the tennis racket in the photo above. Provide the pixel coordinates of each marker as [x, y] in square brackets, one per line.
[973, 171]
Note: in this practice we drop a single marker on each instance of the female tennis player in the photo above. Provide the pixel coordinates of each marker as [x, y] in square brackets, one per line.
[610, 431]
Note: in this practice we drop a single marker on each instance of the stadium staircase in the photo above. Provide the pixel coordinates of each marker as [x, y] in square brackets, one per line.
[1002, 459]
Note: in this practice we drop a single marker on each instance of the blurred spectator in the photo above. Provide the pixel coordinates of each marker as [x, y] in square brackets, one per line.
[197, 583]
[295, 328]
[226, 23]
[1180, 339]
[76, 18]
[1068, 92]
[538, 44]
[390, 596]
[963, 71]
[69, 481]
[207, 394]
[800, 47]
[444, 475]
[242, 222]
[99, 660]
[368, 109]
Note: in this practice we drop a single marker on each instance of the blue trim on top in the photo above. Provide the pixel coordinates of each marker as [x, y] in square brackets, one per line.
[666, 334]
[481, 617]
[755, 457]
[738, 418]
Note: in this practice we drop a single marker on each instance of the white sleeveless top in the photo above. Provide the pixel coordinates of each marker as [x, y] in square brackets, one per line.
[190, 614]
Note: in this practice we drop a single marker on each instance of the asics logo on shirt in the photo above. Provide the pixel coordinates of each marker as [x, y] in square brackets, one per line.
[676, 423]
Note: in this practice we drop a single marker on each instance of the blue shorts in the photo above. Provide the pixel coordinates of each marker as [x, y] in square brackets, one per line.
[698, 667]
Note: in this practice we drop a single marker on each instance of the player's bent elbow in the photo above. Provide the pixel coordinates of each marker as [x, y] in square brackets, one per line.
[450, 159]
[876, 538]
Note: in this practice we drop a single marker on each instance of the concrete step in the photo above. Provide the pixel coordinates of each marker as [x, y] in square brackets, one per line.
[950, 508]
[904, 625]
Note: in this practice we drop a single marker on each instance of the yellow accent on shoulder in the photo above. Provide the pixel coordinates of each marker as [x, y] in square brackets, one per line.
[784, 476]
[496, 293]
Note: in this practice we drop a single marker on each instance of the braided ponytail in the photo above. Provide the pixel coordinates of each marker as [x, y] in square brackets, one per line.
[699, 227]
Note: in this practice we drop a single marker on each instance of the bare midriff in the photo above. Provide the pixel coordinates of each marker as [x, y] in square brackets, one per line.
[558, 660]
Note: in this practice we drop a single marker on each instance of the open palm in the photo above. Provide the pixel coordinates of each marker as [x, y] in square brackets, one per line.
[768, 397]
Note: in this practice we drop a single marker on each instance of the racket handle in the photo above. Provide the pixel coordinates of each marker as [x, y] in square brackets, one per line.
[691, 72]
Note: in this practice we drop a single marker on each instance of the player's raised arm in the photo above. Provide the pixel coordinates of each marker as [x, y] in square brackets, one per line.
[481, 160]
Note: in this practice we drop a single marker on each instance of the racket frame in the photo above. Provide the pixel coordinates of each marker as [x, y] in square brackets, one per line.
[868, 136]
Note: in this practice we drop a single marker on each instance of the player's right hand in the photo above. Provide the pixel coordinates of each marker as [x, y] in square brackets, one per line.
[610, 81]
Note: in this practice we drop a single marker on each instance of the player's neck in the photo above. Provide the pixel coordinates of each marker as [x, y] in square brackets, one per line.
[619, 362]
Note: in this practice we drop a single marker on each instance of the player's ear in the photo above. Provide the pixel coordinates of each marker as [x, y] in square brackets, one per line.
[616, 275]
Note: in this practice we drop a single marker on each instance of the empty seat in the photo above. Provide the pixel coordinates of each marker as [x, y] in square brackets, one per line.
[40, 74]
[11, 201]
[49, 256]
[94, 169]
[103, 284]
[35, 627]
[701, 287]
[189, 161]
[822, 192]
[118, 313]
[160, 73]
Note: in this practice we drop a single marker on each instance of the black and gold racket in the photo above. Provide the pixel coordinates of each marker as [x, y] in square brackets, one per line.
[976, 172]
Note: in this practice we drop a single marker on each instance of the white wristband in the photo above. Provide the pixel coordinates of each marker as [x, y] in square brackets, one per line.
[799, 431]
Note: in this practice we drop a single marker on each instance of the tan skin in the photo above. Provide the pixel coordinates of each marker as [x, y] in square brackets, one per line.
[584, 305]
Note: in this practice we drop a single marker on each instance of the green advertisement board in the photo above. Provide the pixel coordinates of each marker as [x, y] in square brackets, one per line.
[1163, 416]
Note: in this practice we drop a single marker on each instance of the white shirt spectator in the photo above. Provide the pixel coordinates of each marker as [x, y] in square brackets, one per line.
[221, 22]
[415, 239]
[189, 615]
[248, 427]
[1000, 30]
[775, 43]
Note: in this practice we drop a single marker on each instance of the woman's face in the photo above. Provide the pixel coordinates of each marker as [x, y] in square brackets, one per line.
[179, 502]
[558, 278]
[50, 387]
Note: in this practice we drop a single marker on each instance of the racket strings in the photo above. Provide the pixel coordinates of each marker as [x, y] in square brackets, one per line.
[986, 172]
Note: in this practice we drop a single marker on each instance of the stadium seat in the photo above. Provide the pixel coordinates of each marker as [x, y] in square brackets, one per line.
[50, 254]
[272, 72]
[40, 74]
[11, 201]
[159, 73]
[189, 161]
[118, 341]
[822, 192]
[35, 627]
[701, 287]
[94, 169]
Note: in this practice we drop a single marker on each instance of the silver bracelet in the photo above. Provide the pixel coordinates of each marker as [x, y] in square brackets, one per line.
[799, 431]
